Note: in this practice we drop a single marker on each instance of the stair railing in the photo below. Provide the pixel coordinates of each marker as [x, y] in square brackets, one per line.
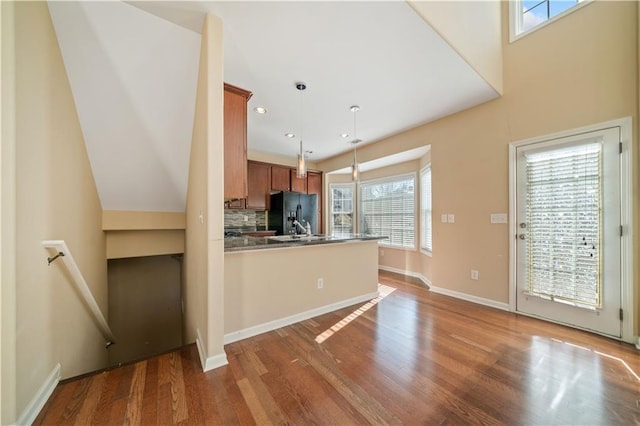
[63, 253]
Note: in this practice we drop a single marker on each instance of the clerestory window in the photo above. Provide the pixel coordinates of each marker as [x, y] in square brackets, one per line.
[528, 15]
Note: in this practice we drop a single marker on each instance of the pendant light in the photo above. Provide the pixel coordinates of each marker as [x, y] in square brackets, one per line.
[301, 166]
[355, 168]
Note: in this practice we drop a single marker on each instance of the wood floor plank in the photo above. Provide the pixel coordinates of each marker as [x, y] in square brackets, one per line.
[410, 357]
[178, 397]
[133, 414]
[103, 410]
[55, 408]
[149, 415]
[90, 403]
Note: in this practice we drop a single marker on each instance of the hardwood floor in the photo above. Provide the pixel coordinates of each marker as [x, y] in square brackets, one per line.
[411, 357]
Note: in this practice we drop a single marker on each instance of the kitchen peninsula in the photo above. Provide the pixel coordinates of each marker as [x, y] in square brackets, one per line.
[270, 282]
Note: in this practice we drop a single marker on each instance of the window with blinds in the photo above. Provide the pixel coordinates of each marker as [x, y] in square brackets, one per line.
[387, 208]
[342, 209]
[426, 231]
[563, 224]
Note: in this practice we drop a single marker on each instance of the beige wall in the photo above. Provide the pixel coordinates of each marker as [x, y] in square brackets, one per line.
[569, 74]
[117, 220]
[204, 250]
[195, 258]
[215, 193]
[138, 233]
[7, 218]
[56, 199]
[291, 161]
[136, 243]
[268, 285]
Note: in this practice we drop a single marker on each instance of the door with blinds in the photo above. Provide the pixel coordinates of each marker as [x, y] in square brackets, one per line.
[568, 231]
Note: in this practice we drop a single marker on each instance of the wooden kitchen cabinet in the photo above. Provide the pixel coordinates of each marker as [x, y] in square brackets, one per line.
[235, 142]
[298, 184]
[314, 186]
[235, 204]
[259, 185]
[280, 178]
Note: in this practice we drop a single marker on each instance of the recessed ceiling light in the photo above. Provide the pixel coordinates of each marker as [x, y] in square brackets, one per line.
[290, 135]
[260, 110]
[344, 135]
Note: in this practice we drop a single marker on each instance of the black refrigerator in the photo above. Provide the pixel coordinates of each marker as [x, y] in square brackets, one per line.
[289, 206]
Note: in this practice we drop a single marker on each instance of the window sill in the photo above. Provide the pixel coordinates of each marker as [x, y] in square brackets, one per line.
[382, 245]
[426, 253]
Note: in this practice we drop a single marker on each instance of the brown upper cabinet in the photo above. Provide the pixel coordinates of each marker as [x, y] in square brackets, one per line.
[280, 178]
[235, 142]
[298, 184]
[259, 177]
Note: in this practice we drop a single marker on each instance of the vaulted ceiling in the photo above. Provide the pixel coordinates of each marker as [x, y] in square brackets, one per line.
[133, 70]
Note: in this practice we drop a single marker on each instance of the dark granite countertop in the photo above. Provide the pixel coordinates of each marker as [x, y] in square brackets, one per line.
[244, 243]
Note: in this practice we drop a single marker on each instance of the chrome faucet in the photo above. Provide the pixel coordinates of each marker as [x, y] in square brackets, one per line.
[307, 229]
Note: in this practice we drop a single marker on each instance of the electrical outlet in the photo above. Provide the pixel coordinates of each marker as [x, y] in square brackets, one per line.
[451, 218]
[320, 283]
[498, 218]
[443, 218]
[381, 253]
[475, 274]
[246, 218]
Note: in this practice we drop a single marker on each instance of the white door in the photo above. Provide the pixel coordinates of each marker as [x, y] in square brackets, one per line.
[568, 231]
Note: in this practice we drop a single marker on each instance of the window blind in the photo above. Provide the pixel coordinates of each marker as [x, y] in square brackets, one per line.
[387, 208]
[341, 209]
[426, 231]
[563, 221]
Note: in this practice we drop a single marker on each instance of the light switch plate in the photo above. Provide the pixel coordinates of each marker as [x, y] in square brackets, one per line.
[443, 218]
[498, 218]
[451, 218]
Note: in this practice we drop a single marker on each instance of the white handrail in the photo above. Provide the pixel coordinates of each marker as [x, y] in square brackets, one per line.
[64, 254]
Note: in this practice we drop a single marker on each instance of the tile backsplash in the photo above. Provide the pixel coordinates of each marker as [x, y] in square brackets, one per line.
[236, 218]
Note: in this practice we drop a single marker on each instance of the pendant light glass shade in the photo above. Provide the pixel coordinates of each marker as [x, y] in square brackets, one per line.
[301, 166]
[355, 168]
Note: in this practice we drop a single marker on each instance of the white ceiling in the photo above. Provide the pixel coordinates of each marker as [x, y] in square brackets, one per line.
[389, 160]
[133, 73]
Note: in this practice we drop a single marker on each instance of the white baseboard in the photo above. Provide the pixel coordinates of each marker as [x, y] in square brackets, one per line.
[32, 409]
[209, 362]
[452, 293]
[417, 275]
[471, 298]
[283, 322]
[638, 343]
[215, 361]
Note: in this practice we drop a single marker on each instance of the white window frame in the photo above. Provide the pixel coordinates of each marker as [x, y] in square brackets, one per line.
[516, 18]
[351, 186]
[426, 250]
[384, 242]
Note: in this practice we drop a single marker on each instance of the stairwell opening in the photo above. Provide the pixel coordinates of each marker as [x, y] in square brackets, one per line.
[145, 306]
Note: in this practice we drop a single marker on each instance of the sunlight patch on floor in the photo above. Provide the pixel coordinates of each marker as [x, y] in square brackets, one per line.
[383, 291]
[615, 358]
